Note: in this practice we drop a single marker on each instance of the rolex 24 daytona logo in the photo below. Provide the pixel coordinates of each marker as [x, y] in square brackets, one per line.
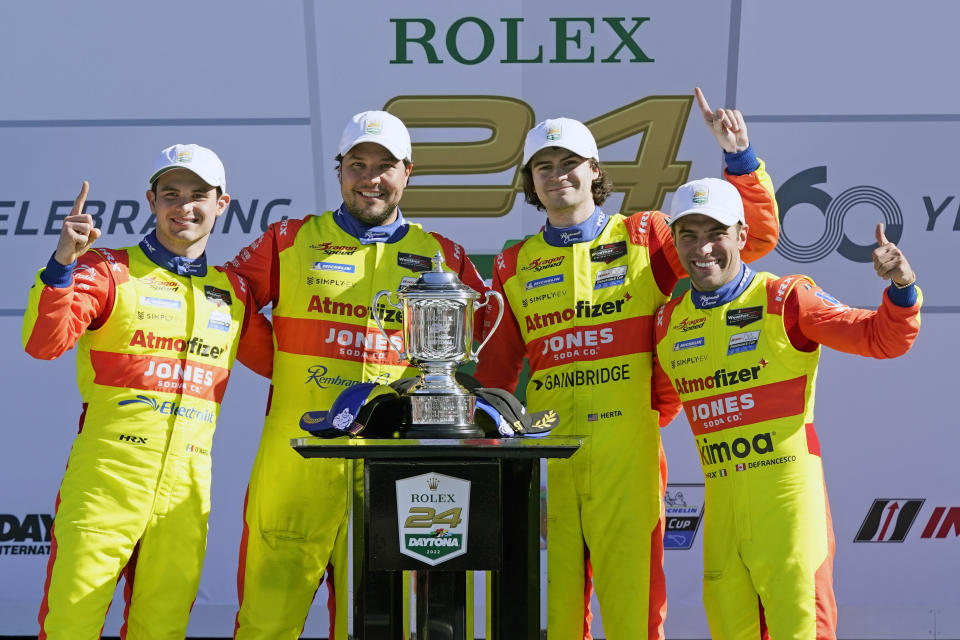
[433, 513]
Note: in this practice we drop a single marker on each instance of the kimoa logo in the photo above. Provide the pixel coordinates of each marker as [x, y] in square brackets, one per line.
[717, 452]
[574, 41]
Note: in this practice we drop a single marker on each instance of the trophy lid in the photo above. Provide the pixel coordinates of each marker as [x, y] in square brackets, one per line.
[438, 283]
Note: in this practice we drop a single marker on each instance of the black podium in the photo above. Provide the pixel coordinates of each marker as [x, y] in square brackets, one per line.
[440, 508]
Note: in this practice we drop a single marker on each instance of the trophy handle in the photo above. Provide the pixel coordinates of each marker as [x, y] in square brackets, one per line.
[376, 318]
[486, 301]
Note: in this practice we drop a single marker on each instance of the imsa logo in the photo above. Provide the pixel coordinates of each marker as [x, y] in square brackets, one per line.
[433, 513]
[888, 520]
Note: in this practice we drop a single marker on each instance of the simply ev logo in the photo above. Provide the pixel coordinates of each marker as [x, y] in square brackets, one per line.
[799, 189]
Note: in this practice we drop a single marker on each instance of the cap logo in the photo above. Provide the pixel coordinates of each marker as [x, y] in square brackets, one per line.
[699, 196]
[554, 133]
[184, 155]
[373, 128]
[548, 419]
[343, 419]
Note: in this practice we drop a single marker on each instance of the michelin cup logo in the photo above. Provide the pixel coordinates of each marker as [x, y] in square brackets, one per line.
[433, 514]
[700, 196]
[184, 155]
[373, 128]
[554, 133]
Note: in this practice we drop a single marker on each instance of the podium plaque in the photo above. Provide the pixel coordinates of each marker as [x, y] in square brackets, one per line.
[440, 508]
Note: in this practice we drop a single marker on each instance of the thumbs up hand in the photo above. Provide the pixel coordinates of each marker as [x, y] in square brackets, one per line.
[889, 261]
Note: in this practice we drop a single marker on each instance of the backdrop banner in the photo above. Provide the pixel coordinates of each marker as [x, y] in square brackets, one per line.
[841, 100]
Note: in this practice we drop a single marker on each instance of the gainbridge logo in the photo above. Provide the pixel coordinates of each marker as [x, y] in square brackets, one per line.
[891, 520]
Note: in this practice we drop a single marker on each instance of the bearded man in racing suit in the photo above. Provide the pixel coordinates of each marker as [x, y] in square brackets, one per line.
[157, 333]
[741, 349]
[581, 297]
[320, 273]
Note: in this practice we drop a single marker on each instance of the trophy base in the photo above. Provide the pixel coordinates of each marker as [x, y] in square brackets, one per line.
[448, 415]
[443, 431]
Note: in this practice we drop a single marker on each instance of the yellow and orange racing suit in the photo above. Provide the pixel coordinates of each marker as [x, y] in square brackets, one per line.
[743, 360]
[321, 274]
[580, 305]
[156, 337]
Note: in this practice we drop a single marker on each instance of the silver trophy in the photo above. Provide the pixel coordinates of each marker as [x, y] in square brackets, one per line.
[438, 334]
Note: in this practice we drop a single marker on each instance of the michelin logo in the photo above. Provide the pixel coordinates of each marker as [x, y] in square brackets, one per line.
[542, 282]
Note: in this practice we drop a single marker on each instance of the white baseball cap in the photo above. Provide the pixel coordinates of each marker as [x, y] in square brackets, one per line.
[712, 197]
[379, 127]
[200, 160]
[566, 133]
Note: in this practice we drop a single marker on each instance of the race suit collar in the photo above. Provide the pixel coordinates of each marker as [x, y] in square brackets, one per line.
[726, 293]
[163, 257]
[368, 234]
[583, 232]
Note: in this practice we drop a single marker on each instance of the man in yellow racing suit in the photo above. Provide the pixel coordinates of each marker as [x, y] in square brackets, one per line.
[157, 332]
[741, 349]
[321, 273]
[581, 297]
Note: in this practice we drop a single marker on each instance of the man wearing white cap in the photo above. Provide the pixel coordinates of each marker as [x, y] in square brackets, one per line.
[581, 297]
[740, 349]
[157, 332]
[321, 273]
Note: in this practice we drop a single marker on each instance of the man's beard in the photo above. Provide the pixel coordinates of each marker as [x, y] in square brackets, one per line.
[369, 218]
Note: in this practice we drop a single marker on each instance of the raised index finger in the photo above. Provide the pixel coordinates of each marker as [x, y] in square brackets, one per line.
[81, 199]
[702, 101]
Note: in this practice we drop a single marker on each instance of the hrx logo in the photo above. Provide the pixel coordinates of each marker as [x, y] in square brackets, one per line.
[890, 520]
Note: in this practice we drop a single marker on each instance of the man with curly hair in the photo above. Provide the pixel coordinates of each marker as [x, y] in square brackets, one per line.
[581, 296]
